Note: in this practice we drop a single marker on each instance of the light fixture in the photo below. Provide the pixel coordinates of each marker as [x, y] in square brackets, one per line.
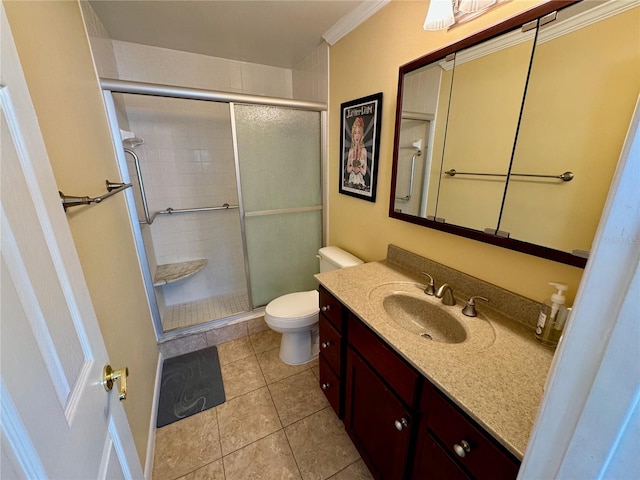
[439, 15]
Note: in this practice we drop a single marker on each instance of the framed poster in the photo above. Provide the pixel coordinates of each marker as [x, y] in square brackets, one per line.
[359, 146]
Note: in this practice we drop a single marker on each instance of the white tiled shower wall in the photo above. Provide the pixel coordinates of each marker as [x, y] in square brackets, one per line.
[186, 161]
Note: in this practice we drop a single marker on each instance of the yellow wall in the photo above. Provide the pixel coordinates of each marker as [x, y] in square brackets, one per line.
[55, 56]
[367, 61]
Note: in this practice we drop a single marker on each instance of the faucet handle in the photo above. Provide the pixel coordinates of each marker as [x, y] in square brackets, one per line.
[431, 288]
[470, 308]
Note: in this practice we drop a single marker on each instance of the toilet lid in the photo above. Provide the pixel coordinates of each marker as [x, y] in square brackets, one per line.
[294, 305]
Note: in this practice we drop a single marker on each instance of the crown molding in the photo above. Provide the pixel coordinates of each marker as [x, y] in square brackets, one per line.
[352, 19]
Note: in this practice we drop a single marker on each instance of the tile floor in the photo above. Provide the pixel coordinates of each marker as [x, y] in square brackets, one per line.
[205, 310]
[275, 424]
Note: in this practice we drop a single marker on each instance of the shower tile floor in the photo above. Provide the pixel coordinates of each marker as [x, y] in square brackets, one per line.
[275, 424]
[212, 308]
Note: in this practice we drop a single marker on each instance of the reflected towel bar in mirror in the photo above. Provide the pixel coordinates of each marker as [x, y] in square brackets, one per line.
[72, 201]
[565, 177]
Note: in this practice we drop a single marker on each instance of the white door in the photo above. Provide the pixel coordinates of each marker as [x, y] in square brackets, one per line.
[57, 420]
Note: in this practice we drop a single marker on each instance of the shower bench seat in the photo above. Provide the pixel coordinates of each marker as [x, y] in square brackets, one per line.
[174, 272]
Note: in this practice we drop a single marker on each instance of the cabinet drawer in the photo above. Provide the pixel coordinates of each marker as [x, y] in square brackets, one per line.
[485, 459]
[400, 376]
[330, 308]
[330, 346]
[330, 385]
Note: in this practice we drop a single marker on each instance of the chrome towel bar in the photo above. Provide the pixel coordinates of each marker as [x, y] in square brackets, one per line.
[565, 177]
[112, 188]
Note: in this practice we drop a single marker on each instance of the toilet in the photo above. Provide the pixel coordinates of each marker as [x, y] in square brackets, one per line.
[295, 315]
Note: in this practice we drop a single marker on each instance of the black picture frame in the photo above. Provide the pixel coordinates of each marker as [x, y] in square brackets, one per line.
[359, 177]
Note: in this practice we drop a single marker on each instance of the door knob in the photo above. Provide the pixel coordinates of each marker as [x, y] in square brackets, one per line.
[109, 375]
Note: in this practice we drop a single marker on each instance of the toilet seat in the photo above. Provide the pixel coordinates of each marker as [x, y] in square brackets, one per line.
[294, 307]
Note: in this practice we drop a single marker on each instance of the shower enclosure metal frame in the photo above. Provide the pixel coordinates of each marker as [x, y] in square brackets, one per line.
[110, 86]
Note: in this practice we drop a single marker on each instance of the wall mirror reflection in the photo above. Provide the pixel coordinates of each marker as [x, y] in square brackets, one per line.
[512, 137]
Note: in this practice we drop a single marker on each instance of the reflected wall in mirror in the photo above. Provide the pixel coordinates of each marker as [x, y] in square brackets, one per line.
[587, 79]
[542, 94]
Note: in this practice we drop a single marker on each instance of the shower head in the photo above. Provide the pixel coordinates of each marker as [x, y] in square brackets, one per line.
[132, 142]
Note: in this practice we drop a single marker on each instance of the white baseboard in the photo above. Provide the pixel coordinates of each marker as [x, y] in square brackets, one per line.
[148, 464]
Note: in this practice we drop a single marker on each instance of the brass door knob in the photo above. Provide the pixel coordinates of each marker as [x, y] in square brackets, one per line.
[109, 375]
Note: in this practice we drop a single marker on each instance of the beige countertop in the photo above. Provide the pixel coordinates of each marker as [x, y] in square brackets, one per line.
[497, 377]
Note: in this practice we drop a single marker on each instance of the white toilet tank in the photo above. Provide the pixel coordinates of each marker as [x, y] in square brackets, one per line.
[333, 258]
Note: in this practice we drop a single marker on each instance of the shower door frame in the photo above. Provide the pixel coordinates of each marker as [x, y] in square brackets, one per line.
[111, 86]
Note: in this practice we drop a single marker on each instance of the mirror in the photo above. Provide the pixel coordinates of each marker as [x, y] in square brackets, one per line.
[511, 137]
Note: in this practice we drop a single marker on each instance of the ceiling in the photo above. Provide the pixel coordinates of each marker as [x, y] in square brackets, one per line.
[268, 32]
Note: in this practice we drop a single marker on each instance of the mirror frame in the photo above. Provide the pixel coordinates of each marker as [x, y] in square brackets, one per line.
[491, 32]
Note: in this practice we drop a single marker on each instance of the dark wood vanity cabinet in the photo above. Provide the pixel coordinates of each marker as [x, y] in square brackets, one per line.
[403, 426]
[450, 442]
[330, 358]
[379, 408]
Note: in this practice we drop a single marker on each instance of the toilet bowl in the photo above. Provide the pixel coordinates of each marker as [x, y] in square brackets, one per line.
[295, 315]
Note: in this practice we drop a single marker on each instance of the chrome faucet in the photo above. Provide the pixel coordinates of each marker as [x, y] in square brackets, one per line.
[445, 292]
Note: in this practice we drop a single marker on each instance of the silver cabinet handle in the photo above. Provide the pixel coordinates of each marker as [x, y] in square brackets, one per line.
[401, 424]
[462, 448]
[326, 344]
[326, 308]
[325, 385]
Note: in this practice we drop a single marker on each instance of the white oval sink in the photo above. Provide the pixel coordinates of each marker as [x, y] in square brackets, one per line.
[424, 318]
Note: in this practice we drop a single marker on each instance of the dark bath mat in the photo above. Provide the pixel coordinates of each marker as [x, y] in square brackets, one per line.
[190, 384]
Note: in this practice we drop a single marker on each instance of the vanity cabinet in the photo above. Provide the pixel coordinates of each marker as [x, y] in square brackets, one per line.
[402, 425]
[330, 358]
[380, 403]
[452, 445]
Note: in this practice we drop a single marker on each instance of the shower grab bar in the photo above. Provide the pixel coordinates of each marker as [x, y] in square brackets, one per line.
[565, 177]
[406, 198]
[145, 205]
[72, 201]
[171, 211]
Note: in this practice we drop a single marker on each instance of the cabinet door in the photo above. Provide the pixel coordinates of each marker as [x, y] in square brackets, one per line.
[377, 422]
[432, 463]
[330, 384]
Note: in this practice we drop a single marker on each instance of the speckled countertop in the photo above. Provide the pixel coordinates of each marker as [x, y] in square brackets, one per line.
[497, 377]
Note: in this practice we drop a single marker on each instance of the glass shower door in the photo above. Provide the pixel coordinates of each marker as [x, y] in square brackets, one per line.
[279, 158]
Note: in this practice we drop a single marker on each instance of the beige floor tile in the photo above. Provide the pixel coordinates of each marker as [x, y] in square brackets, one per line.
[297, 397]
[321, 445]
[265, 340]
[355, 471]
[186, 445]
[245, 419]
[241, 376]
[269, 458]
[275, 369]
[229, 352]
[212, 471]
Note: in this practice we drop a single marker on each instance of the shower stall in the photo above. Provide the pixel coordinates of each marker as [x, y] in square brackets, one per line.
[227, 200]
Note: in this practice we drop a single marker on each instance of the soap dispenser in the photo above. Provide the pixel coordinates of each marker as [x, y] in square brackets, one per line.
[553, 315]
